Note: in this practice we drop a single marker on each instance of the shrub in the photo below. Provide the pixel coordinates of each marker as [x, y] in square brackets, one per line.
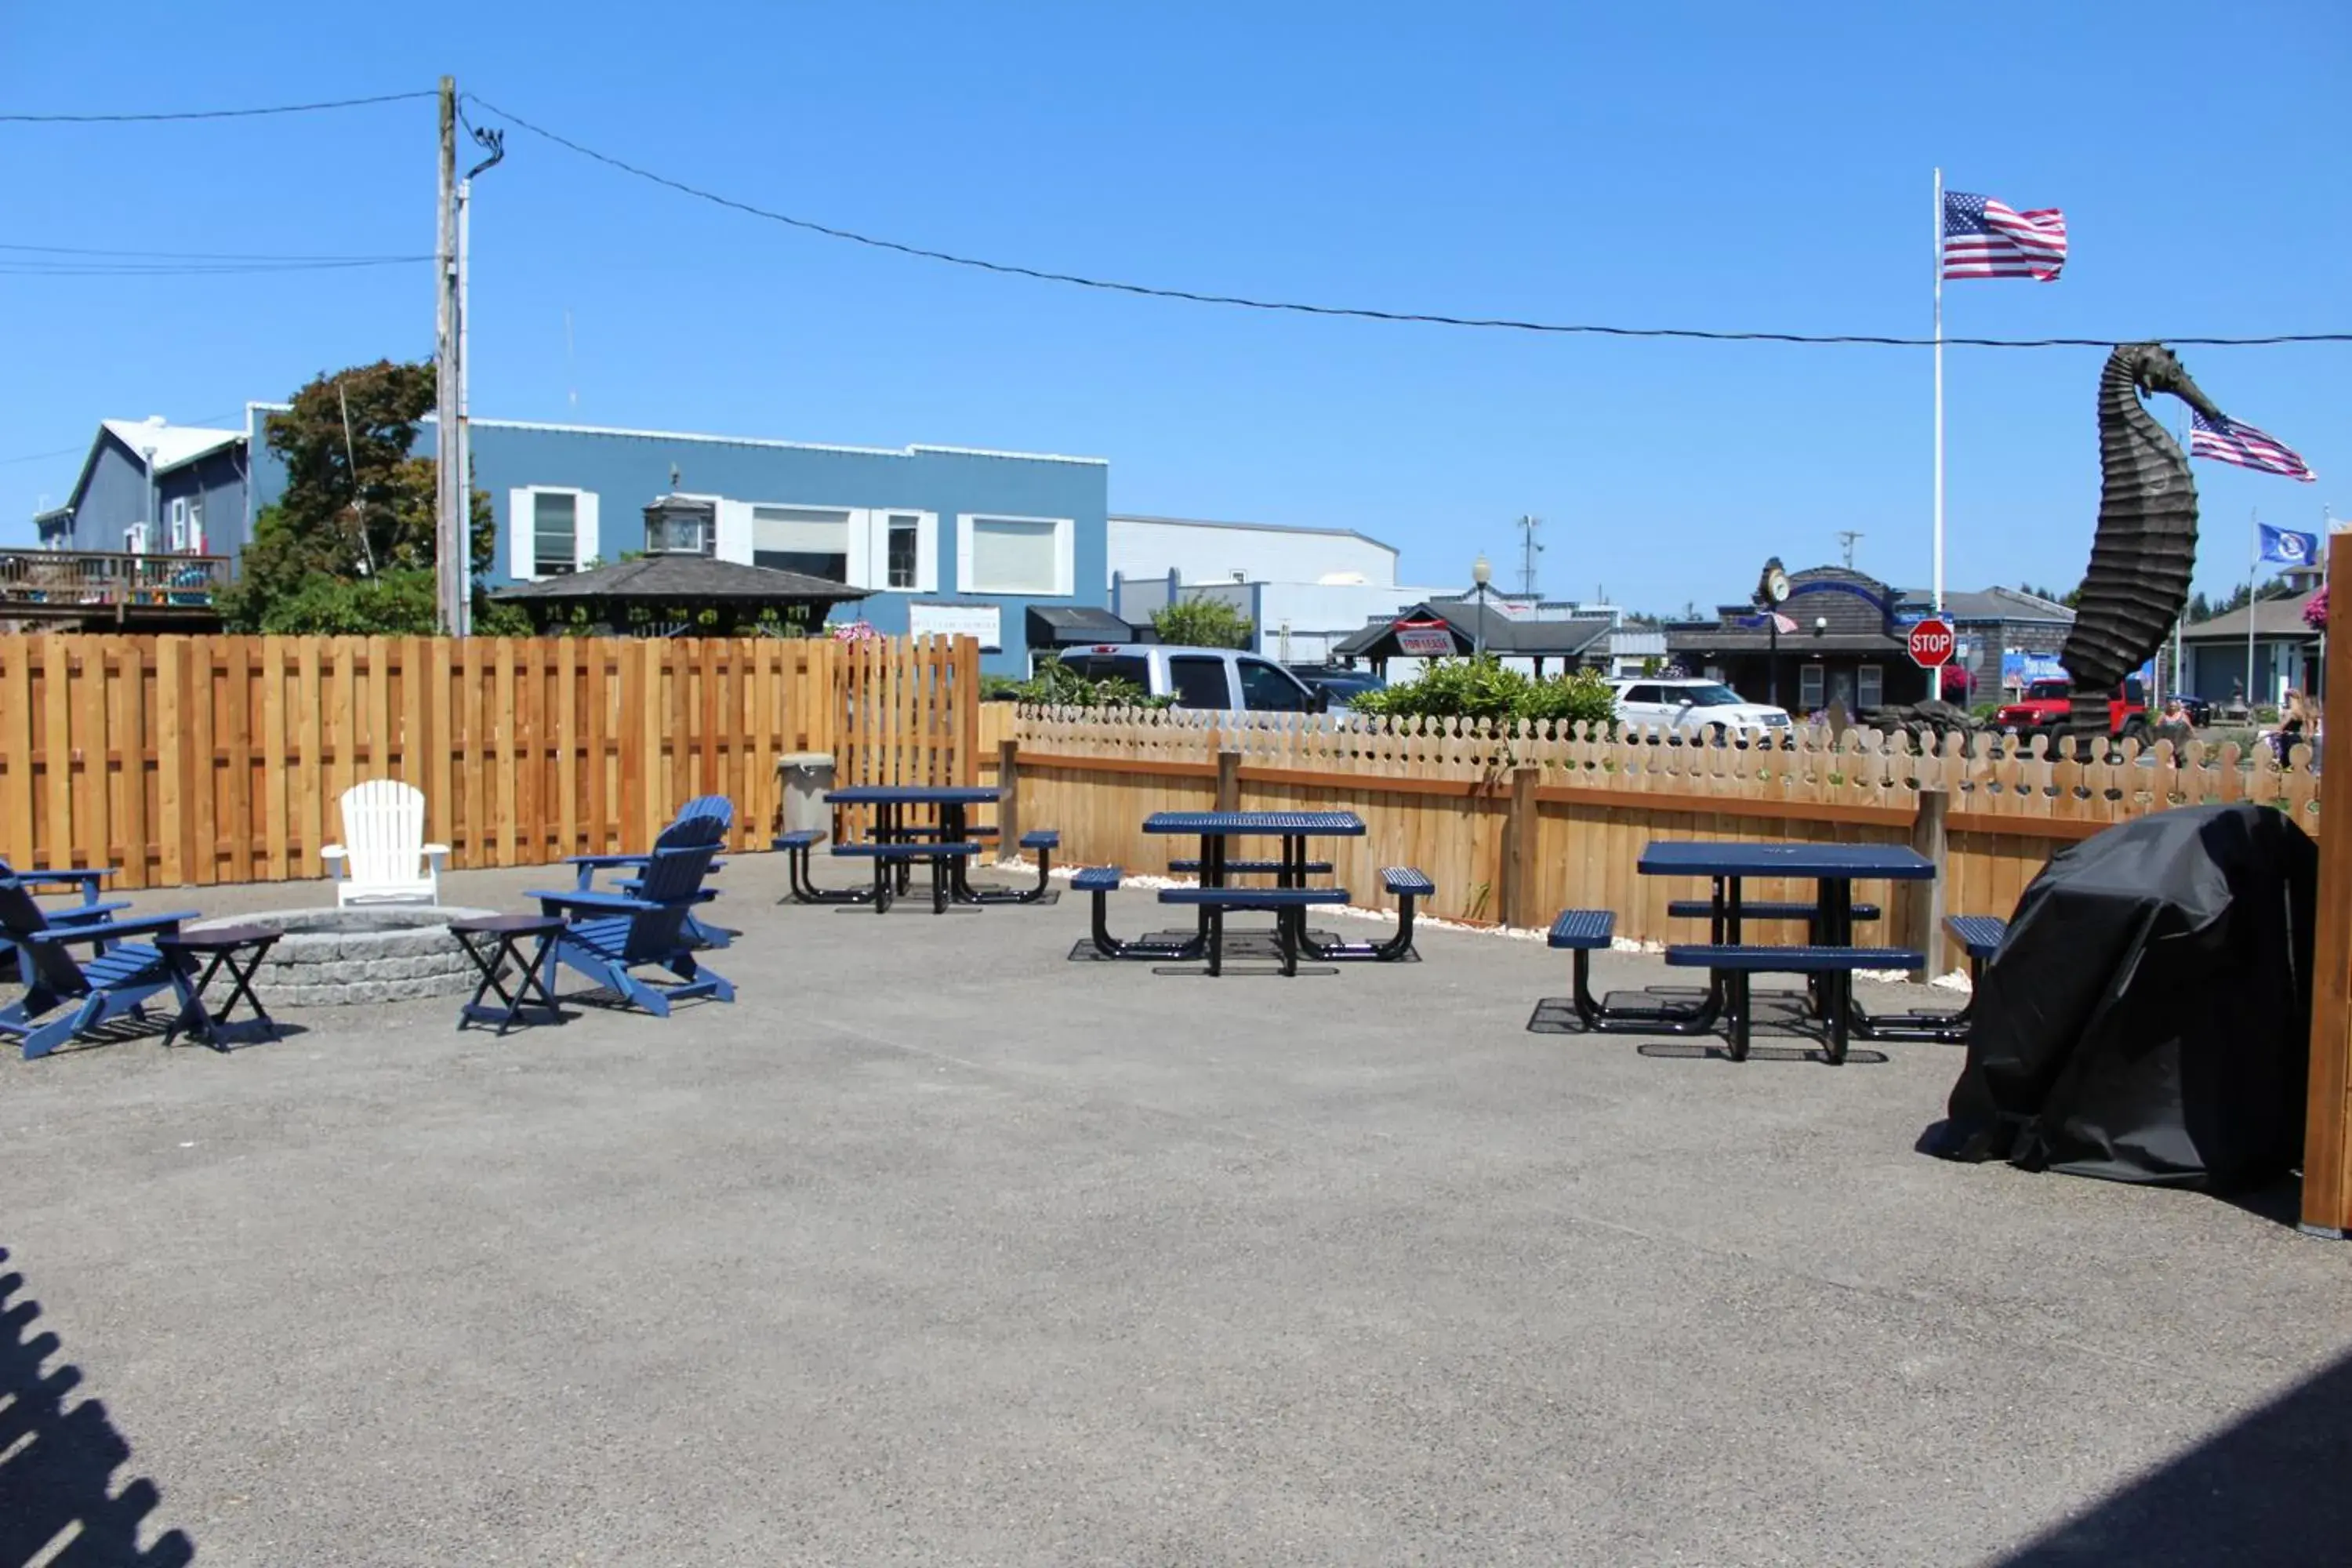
[1057, 685]
[1203, 623]
[1482, 688]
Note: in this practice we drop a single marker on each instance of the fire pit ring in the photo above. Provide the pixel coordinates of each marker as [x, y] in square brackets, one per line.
[362, 956]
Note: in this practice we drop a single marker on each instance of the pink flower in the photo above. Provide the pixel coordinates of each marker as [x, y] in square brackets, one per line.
[2314, 612]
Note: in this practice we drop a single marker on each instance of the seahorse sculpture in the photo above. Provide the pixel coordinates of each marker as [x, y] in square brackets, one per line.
[2145, 547]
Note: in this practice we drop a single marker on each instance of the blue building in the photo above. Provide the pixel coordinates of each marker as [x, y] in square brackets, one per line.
[946, 539]
[152, 488]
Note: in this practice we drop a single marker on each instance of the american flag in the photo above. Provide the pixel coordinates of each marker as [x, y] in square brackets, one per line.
[1986, 238]
[2228, 441]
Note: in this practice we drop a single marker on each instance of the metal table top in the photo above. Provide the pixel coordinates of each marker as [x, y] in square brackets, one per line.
[912, 794]
[1683, 857]
[1237, 823]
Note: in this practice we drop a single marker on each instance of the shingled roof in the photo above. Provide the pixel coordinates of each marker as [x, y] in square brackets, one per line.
[681, 577]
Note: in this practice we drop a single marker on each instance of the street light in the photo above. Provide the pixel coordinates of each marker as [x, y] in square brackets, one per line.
[1482, 572]
[1772, 591]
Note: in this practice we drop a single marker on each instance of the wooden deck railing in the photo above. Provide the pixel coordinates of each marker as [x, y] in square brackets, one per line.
[46, 583]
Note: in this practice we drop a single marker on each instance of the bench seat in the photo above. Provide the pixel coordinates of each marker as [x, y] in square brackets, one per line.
[798, 839]
[1583, 930]
[1254, 898]
[1768, 960]
[1041, 838]
[1761, 909]
[1407, 882]
[1981, 934]
[1252, 867]
[1096, 880]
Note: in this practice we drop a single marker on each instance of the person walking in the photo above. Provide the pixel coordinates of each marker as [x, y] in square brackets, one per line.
[2295, 724]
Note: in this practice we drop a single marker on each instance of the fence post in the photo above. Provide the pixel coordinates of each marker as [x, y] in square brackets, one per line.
[2327, 1127]
[1516, 891]
[1229, 779]
[1008, 799]
[1924, 902]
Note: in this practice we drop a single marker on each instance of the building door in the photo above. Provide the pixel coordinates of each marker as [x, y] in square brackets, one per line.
[1842, 689]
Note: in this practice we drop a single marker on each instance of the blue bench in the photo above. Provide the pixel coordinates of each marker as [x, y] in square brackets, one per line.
[1587, 931]
[1981, 934]
[1289, 906]
[889, 858]
[1761, 909]
[1730, 965]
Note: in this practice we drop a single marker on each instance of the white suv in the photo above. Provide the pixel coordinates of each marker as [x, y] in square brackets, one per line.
[1703, 708]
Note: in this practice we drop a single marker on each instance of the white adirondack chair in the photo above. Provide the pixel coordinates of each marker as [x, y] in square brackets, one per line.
[384, 858]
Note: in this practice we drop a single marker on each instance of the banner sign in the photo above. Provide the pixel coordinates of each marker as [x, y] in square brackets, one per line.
[1423, 639]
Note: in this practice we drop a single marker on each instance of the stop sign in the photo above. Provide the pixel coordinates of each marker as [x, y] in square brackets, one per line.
[1931, 643]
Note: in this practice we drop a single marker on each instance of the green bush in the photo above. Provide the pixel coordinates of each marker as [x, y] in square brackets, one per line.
[1483, 689]
[1057, 685]
[1203, 623]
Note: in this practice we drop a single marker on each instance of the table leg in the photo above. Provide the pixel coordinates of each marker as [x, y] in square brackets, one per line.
[191, 1018]
[242, 987]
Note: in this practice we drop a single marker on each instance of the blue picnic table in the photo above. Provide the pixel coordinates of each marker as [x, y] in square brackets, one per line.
[1828, 957]
[892, 804]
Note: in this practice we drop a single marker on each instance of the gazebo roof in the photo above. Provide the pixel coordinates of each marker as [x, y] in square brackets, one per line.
[684, 577]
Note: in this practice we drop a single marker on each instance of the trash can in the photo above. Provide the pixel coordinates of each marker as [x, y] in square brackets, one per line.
[805, 777]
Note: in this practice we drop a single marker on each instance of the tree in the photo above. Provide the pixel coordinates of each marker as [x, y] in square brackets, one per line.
[1203, 623]
[1483, 687]
[349, 547]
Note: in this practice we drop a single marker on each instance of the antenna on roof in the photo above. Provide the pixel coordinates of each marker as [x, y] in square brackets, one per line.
[1846, 536]
[1528, 551]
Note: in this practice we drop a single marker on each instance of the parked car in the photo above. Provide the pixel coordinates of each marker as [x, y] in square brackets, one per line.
[1707, 708]
[1219, 678]
[2045, 703]
[1341, 686]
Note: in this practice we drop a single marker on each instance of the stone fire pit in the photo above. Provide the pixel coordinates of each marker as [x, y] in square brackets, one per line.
[340, 958]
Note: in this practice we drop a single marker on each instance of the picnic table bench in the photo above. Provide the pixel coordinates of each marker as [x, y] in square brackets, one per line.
[948, 844]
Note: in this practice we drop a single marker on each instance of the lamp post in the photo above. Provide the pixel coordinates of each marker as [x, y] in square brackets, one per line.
[1482, 572]
[1772, 591]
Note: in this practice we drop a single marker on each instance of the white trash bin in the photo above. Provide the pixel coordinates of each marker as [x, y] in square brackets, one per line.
[806, 778]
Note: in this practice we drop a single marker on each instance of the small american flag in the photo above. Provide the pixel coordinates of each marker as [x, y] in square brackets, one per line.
[1986, 238]
[2228, 441]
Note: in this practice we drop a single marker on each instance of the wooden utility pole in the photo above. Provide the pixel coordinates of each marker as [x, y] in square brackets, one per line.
[2328, 1107]
[449, 573]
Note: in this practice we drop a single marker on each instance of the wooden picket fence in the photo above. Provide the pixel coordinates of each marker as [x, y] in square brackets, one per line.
[1514, 829]
[204, 759]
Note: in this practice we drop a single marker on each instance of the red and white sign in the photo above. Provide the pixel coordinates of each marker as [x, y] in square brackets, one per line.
[1931, 643]
[1424, 639]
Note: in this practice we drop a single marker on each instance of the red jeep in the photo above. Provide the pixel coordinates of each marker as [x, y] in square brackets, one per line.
[2044, 708]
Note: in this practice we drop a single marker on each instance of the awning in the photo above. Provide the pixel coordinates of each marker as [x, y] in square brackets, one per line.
[1061, 626]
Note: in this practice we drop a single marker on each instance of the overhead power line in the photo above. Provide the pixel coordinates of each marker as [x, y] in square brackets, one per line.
[209, 113]
[1361, 313]
[78, 267]
[200, 255]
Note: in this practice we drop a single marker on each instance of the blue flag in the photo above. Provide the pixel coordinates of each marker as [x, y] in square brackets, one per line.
[2284, 547]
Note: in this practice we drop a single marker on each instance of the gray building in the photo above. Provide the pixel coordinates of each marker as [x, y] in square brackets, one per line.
[2285, 652]
[154, 488]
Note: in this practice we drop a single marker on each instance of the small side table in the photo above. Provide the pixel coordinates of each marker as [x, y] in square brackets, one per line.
[238, 949]
[491, 942]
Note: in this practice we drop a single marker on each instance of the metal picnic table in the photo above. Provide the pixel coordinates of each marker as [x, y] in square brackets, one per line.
[1217, 829]
[1833, 867]
[952, 801]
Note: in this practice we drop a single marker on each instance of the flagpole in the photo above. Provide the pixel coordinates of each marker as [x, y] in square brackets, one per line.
[1939, 390]
[2254, 569]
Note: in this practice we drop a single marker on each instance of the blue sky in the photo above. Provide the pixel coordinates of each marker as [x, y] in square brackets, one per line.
[1711, 165]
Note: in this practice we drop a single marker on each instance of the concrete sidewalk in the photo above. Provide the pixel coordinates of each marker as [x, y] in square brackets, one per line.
[937, 1247]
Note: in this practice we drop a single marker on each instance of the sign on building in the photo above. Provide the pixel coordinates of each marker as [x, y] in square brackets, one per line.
[984, 622]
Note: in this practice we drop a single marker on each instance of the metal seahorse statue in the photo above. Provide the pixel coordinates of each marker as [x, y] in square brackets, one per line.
[2146, 548]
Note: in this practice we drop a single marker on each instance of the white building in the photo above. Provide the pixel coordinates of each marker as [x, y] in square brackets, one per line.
[1304, 589]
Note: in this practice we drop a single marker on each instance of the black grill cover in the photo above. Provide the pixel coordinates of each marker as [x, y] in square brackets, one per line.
[2147, 1018]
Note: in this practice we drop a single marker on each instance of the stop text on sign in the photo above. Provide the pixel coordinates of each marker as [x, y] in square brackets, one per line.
[1931, 643]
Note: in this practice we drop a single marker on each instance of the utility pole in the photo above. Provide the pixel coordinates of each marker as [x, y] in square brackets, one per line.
[449, 573]
[1528, 551]
[494, 143]
[1846, 536]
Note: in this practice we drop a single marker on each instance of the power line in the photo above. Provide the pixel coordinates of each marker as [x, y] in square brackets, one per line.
[201, 255]
[1361, 313]
[208, 113]
[21, 267]
[201, 420]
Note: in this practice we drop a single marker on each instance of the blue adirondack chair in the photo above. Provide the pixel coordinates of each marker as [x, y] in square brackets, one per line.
[64, 997]
[608, 936]
[91, 907]
[684, 831]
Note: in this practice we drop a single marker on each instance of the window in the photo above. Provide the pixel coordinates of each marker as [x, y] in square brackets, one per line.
[810, 540]
[1266, 689]
[1128, 666]
[1641, 694]
[178, 521]
[1810, 680]
[135, 539]
[1199, 683]
[554, 533]
[1014, 556]
[196, 524]
[551, 531]
[903, 540]
[1872, 691]
[681, 530]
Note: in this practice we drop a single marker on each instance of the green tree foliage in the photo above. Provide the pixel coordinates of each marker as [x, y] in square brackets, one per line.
[1203, 623]
[1484, 688]
[347, 546]
[1057, 685]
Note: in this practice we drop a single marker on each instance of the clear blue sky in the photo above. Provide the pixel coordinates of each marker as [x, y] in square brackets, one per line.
[1715, 166]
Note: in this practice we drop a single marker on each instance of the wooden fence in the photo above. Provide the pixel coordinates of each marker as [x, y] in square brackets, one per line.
[1513, 829]
[202, 760]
